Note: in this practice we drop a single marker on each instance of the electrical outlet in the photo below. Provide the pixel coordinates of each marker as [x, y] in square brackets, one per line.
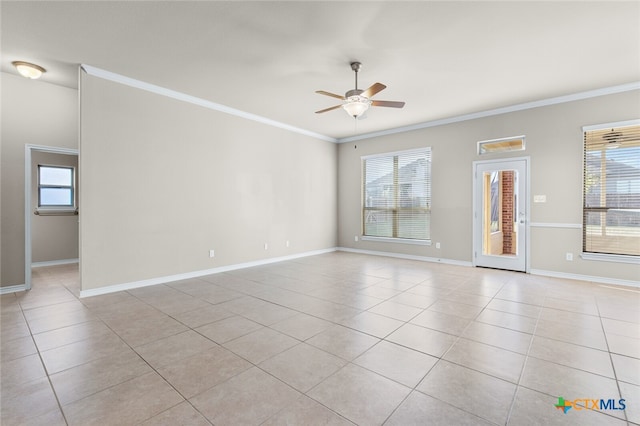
[287, 243]
[266, 246]
[212, 253]
[355, 238]
[569, 257]
[437, 245]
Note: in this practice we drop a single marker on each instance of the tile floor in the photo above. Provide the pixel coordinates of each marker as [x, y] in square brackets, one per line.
[335, 339]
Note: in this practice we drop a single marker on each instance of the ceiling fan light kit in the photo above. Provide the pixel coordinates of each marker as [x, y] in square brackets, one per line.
[356, 106]
[356, 101]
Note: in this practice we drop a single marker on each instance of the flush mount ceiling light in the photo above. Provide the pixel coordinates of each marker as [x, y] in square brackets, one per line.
[357, 101]
[28, 70]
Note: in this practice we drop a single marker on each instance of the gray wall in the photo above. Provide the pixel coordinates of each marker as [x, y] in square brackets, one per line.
[554, 144]
[52, 237]
[38, 113]
[168, 181]
[164, 181]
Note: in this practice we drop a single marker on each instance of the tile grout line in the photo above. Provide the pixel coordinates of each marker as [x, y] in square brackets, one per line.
[613, 367]
[524, 366]
[44, 367]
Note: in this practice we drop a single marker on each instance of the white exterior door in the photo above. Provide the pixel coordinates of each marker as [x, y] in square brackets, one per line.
[500, 217]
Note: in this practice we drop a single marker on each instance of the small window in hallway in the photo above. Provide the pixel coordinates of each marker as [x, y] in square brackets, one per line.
[56, 186]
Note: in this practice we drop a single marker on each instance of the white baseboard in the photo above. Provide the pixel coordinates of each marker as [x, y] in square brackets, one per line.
[54, 263]
[407, 256]
[554, 274]
[196, 274]
[592, 278]
[13, 288]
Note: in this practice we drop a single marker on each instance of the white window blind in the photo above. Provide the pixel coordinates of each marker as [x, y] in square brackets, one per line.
[397, 195]
[611, 212]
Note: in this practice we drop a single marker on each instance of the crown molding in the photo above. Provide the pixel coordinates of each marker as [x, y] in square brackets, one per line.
[163, 91]
[128, 81]
[498, 111]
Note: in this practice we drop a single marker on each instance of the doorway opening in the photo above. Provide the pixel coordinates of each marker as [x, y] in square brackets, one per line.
[500, 234]
[52, 231]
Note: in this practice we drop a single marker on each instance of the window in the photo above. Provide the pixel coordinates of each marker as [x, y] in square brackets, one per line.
[397, 195]
[493, 146]
[611, 212]
[56, 187]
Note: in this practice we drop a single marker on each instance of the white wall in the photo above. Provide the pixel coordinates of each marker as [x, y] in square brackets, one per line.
[164, 181]
[554, 144]
[38, 113]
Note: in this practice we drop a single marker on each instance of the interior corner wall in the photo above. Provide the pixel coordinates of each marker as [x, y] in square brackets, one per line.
[554, 144]
[33, 113]
[165, 181]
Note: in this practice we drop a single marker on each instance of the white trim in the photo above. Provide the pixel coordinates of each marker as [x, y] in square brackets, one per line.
[107, 75]
[394, 153]
[13, 289]
[618, 288]
[406, 256]
[138, 84]
[396, 240]
[196, 274]
[604, 257]
[498, 111]
[53, 149]
[54, 263]
[476, 245]
[607, 125]
[522, 138]
[556, 225]
[28, 148]
[554, 274]
[591, 278]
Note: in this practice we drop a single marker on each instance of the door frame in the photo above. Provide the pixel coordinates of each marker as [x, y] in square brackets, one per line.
[28, 150]
[477, 199]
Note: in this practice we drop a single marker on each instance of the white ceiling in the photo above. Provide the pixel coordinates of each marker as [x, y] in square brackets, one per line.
[444, 59]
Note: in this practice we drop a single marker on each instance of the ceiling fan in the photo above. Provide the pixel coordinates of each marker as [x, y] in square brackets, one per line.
[357, 101]
[615, 138]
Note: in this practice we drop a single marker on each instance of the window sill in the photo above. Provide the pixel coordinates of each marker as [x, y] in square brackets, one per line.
[397, 240]
[55, 212]
[617, 258]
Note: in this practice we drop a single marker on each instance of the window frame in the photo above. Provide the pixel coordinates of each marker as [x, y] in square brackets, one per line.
[72, 187]
[593, 255]
[396, 209]
[502, 145]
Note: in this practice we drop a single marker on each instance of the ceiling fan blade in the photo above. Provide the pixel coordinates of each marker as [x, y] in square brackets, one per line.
[328, 109]
[377, 87]
[391, 104]
[333, 95]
